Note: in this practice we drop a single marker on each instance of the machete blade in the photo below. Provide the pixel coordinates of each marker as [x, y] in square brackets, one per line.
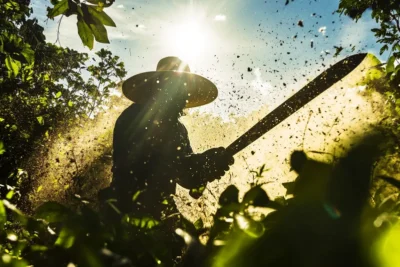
[317, 86]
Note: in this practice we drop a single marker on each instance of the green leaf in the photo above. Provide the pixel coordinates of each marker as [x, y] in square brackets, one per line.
[8, 261]
[52, 212]
[70, 103]
[85, 33]
[39, 248]
[250, 227]
[256, 196]
[390, 65]
[3, 215]
[100, 33]
[58, 94]
[289, 187]
[2, 149]
[136, 195]
[13, 66]
[230, 195]
[383, 49]
[28, 54]
[58, 9]
[101, 17]
[10, 194]
[19, 216]
[66, 238]
[199, 224]
[148, 223]
[73, 9]
[13, 128]
[40, 120]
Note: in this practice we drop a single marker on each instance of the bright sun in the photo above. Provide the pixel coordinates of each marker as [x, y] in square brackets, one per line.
[188, 41]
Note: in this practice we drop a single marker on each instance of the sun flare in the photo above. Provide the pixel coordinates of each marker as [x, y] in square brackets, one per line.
[188, 41]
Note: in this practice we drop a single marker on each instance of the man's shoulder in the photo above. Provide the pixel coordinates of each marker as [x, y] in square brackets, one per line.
[129, 112]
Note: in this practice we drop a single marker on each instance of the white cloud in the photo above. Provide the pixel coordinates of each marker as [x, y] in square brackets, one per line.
[220, 17]
[259, 85]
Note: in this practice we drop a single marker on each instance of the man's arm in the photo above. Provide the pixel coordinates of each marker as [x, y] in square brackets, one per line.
[198, 169]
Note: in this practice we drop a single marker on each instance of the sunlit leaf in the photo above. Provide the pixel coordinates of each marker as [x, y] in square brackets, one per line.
[136, 195]
[12, 65]
[39, 189]
[7, 261]
[250, 227]
[19, 215]
[58, 9]
[390, 64]
[40, 120]
[3, 215]
[10, 194]
[70, 103]
[85, 33]
[38, 248]
[387, 248]
[100, 33]
[28, 54]
[59, 93]
[66, 238]
[101, 16]
[2, 148]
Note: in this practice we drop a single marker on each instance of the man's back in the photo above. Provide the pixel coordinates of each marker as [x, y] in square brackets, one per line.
[147, 156]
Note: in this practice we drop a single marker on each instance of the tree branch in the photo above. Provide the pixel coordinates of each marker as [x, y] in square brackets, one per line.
[58, 31]
[393, 16]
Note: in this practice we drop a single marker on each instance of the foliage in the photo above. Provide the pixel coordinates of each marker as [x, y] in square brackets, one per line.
[387, 14]
[91, 18]
[43, 86]
[328, 231]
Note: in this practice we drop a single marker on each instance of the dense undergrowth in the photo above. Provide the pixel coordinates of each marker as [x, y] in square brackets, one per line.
[339, 215]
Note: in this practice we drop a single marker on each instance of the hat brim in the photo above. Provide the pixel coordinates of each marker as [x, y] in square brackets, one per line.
[142, 87]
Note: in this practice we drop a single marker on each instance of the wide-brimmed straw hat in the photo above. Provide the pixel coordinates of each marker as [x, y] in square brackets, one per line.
[142, 87]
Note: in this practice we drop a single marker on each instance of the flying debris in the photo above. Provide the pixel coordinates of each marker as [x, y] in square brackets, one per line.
[300, 23]
[338, 49]
[322, 30]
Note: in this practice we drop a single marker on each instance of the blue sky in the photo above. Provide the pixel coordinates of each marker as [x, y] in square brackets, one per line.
[254, 51]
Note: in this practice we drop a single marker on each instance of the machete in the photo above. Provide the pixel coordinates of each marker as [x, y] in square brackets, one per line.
[313, 89]
[317, 86]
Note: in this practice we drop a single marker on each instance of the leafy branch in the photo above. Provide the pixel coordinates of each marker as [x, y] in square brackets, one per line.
[91, 18]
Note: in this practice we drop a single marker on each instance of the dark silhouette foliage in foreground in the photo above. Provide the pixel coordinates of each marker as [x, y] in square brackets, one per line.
[328, 222]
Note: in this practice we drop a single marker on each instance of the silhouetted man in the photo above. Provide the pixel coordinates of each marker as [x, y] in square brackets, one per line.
[152, 151]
